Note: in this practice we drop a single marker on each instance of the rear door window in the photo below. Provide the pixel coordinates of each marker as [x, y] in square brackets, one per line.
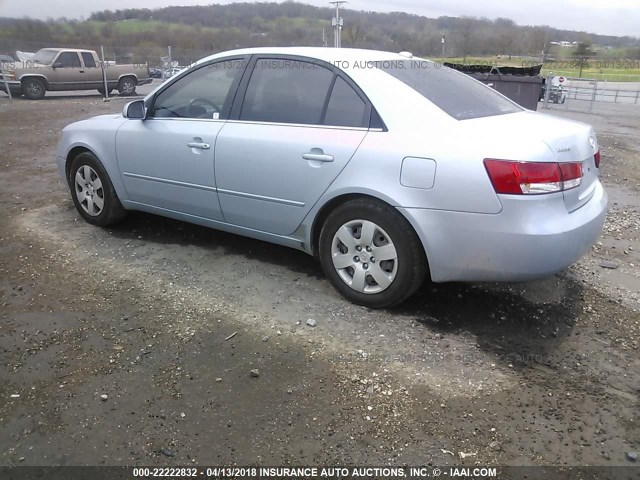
[346, 108]
[88, 60]
[287, 91]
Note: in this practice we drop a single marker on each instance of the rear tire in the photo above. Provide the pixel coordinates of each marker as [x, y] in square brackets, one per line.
[93, 193]
[352, 236]
[127, 86]
[101, 91]
[33, 88]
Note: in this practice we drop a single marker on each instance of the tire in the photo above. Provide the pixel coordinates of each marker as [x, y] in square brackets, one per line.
[93, 193]
[33, 88]
[399, 274]
[101, 91]
[127, 86]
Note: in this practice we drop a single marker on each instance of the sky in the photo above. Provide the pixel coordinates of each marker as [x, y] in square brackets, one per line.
[607, 17]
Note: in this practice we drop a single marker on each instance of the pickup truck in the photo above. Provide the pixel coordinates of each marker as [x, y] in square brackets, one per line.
[61, 69]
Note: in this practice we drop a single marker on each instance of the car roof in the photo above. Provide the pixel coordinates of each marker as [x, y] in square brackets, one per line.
[60, 49]
[330, 55]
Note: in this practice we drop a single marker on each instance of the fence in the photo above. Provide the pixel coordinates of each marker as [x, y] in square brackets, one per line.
[581, 94]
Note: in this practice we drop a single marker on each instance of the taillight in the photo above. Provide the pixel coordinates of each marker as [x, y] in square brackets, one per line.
[596, 158]
[532, 178]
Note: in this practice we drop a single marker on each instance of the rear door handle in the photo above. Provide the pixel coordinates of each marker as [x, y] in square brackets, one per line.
[201, 146]
[317, 155]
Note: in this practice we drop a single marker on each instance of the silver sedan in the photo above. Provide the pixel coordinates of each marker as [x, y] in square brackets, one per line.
[389, 168]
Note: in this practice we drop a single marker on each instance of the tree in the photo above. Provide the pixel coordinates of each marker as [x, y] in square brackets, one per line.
[353, 33]
[582, 54]
[508, 41]
[465, 31]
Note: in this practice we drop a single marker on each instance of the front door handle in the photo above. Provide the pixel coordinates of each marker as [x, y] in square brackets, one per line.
[317, 155]
[199, 145]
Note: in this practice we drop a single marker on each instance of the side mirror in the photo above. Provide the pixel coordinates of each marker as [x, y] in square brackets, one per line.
[135, 110]
[57, 65]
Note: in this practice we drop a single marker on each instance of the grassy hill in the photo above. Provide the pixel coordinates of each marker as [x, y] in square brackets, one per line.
[142, 35]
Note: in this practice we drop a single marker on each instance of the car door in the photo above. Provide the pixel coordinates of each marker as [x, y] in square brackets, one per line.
[67, 72]
[298, 126]
[166, 160]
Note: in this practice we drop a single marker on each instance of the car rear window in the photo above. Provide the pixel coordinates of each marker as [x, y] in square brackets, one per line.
[453, 92]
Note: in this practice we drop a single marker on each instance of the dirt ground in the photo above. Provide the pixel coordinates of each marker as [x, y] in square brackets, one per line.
[542, 373]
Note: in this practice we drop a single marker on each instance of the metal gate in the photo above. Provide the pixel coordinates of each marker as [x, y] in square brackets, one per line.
[581, 94]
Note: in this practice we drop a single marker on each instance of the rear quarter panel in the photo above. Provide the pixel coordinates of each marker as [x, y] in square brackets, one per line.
[116, 72]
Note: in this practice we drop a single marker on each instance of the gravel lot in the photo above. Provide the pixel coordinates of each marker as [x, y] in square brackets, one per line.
[116, 345]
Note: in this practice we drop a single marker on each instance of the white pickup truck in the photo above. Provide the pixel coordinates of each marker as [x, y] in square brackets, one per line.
[60, 69]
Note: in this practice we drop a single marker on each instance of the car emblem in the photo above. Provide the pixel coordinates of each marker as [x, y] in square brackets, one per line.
[592, 142]
[564, 149]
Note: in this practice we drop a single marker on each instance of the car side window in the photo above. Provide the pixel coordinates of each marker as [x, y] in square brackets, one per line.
[346, 108]
[88, 60]
[203, 93]
[287, 91]
[69, 60]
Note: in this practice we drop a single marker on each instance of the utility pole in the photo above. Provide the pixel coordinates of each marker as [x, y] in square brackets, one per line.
[104, 75]
[337, 23]
[444, 35]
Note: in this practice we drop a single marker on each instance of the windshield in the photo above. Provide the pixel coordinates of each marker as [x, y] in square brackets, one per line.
[44, 56]
[455, 93]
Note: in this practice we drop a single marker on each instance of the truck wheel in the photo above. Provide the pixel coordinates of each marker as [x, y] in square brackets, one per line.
[101, 91]
[33, 88]
[127, 86]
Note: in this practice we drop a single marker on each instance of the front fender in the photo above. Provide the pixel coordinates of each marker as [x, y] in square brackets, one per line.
[97, 135]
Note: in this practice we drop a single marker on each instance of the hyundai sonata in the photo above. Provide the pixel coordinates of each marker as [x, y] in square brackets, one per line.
[390, 169]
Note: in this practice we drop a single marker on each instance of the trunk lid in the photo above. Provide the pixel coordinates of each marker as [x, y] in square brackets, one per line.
[565, 141]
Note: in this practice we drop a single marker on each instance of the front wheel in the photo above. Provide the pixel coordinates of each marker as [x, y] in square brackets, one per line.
[127, 86]
[33, 88]
[371, 254]
[92, 191]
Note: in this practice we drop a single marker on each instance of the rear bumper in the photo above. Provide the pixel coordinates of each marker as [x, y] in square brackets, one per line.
[523, 242]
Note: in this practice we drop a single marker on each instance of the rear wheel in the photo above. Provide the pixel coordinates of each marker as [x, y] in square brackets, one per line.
[101, 91]
[127, 86]
[371, 254]
[33, 88]
[92, 191]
